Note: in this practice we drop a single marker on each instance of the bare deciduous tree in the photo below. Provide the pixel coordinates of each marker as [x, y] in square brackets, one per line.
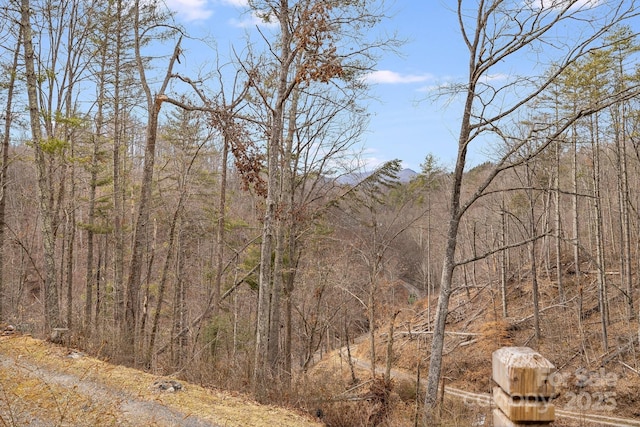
[51, 301]
[154, 104]
[311, 45]
[495, 32]
[6, 140]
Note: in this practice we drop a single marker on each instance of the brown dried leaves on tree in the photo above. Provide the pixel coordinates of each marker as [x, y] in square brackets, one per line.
[315, 40]
[248, 159]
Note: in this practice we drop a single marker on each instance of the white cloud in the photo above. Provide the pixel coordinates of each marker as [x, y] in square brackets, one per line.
[391, 77]
[191, 10]
[559, 4]
[236, 3]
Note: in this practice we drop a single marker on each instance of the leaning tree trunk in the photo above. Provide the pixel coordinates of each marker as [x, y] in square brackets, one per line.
[154, 102]
[163, 282]
[449, 263]
[140, 234]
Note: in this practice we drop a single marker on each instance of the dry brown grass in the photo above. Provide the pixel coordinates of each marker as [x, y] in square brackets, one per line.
[38, 381]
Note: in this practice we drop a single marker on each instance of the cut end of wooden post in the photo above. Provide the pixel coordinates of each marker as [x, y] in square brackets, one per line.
[521, 371]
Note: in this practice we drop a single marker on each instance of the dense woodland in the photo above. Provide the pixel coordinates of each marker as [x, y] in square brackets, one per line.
[220, 226]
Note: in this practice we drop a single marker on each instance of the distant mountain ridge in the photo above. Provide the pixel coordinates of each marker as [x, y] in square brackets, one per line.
[404, 176]
[407, 175]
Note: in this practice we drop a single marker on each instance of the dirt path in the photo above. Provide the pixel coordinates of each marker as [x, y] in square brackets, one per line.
[70, 394]
[46, 385]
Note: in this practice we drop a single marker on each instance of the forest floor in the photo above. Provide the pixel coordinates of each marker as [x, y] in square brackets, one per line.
[596, 385]
[42, 384]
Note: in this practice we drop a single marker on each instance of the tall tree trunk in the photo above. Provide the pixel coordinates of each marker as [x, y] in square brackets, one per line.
[490, 45]
[599, 237]
[89, 273]
[575, 223]
[162, 285]
[150, 255]
[558, 224]
[288, 318]
[389, 361]
[70, 236]
[429, 283]
[132, 319]
[179, 308]
[546, 225]
[174, 229]
[154, 103]
[51, 302]
[503, 259]
[118, 188]
[273, 350]
[371, 308]
[626, 275]
[222, 203]
[100, 291]
[90, 276]
[71, 224]
[283, 276]
[534, 269]
[6, 140]
[289, 276]
[265, 282]
[449, 262]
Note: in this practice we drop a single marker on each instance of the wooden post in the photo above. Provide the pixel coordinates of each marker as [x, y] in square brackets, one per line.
[523, 393]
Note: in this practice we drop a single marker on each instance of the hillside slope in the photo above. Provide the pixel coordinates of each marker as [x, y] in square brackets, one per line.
[593, 382]
[42, 384]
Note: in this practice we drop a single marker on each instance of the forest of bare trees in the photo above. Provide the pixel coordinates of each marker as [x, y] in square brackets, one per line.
[219, 225]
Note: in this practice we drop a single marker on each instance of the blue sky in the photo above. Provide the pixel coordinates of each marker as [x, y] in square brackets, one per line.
[406, 123]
